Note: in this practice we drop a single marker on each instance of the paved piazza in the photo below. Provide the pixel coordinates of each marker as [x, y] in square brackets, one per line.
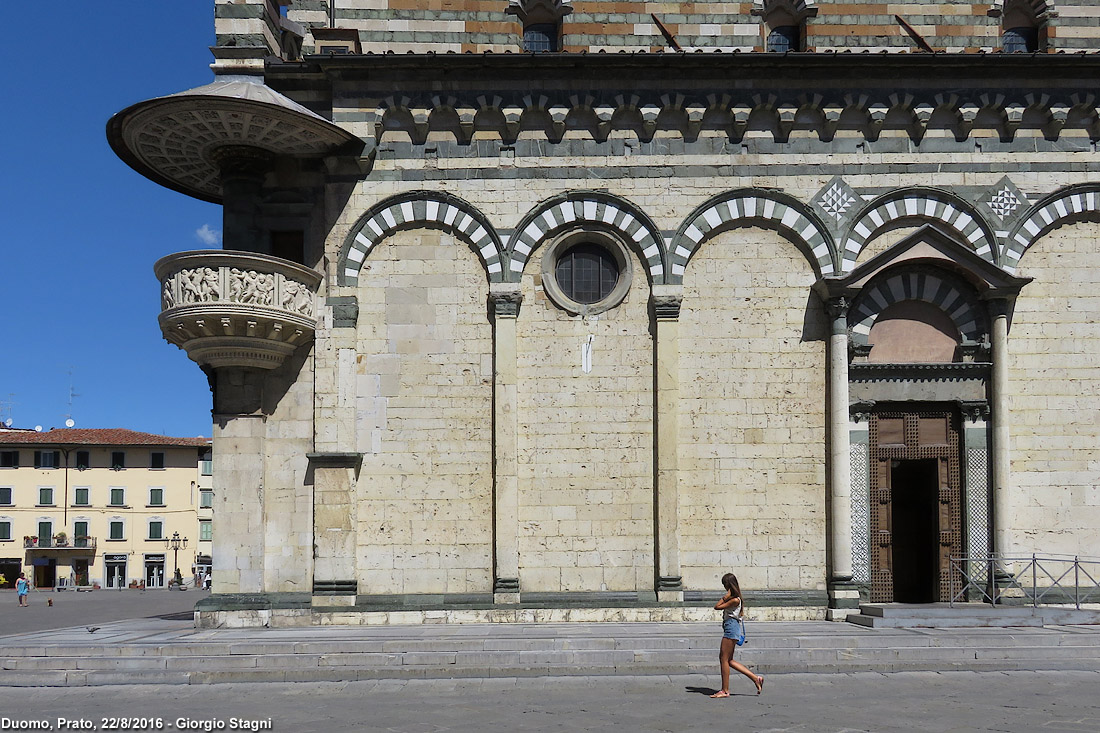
[98, 607]
[926, 701]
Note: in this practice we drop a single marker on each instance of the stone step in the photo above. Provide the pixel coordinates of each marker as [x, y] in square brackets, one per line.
[967, 615]
[69, 678]
[426, 648]
[805, 658]
[137, 653]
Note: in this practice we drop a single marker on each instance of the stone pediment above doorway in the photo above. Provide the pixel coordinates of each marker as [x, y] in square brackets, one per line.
[929, 245]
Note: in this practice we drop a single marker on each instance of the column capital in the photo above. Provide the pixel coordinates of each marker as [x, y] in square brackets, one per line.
[505, 299]
[838, 306]
[666, 301]
[861, 411]
[999, 307]
[974, 410]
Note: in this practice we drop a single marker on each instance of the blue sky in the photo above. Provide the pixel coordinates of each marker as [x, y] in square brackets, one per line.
[82, 230]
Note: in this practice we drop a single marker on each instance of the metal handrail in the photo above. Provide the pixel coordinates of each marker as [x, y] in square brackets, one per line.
[992, 578]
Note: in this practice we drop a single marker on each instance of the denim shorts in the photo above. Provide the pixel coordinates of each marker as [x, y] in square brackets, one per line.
[731, 629]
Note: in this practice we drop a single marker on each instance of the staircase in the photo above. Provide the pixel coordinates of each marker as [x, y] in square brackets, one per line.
[966, 615]
[122, 654]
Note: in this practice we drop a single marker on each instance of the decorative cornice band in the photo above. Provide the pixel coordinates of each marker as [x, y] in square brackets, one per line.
[824, 93]
[922, 372]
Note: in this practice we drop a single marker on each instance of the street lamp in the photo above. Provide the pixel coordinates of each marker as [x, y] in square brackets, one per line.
[174, 545]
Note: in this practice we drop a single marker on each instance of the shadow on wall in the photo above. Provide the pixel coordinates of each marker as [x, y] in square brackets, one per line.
[815, 324]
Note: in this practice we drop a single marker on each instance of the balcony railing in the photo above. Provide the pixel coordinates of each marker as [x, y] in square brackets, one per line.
[58, 543]
[227, 308]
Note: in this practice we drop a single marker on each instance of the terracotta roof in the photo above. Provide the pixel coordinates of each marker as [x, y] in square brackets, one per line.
[94, 436]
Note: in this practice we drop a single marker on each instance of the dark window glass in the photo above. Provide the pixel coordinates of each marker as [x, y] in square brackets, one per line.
[5, 495]
[9, 459]
[540, 37]
[5, 530]
[156, 460]
[83, 460]
[1021, 40]
[118, 459]
[587, 273]
[783, 38]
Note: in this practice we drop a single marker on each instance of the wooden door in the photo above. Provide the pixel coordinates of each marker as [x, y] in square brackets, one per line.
[882, 556]
[911, 434]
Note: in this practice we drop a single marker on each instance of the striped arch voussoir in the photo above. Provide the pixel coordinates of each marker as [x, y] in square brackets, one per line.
[937, 207]
[421, 209]
[580, 209]
[921, 286]
[1053, 211]
[730, 209]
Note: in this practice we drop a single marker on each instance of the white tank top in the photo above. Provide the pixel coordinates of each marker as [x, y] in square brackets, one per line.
[732, 611]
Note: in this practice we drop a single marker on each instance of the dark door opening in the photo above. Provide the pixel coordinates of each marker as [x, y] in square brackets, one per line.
[915, 521]
[45, 572]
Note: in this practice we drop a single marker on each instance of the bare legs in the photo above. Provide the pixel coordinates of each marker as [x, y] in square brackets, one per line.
[727, 662]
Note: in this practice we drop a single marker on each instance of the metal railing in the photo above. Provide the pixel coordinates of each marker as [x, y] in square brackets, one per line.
[75, 543]
[1034, 579]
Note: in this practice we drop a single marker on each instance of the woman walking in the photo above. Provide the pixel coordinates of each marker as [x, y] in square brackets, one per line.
[21, 587]
[732, 636]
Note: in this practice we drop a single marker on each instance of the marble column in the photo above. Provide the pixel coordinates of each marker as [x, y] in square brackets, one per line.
[840, 460]
[666, 309]
[1002, 509]
[843, 596]
[505, 299]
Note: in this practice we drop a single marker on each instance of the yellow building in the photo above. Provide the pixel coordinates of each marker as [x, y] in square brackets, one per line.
[100, 507]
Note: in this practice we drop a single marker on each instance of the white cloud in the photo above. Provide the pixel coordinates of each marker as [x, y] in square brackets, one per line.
[208, 236]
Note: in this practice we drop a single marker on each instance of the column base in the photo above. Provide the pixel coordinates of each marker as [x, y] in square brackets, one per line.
[670, 588]
[333, 593]
[844, 599]
[506, 591]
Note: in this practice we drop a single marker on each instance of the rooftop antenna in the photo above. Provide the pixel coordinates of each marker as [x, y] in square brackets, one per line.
[6, 408]
[72, 394]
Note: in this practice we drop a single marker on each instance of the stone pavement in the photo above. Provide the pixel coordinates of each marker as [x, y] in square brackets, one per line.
[930, 702]
[95, 607]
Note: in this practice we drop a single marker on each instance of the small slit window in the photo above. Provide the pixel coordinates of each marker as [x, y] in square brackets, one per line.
[541, 37]
[784, 38]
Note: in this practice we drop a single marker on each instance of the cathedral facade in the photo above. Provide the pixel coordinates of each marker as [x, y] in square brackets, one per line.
[560, 310]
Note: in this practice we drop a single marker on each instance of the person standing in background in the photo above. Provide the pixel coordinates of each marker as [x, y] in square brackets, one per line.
[22, 587]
